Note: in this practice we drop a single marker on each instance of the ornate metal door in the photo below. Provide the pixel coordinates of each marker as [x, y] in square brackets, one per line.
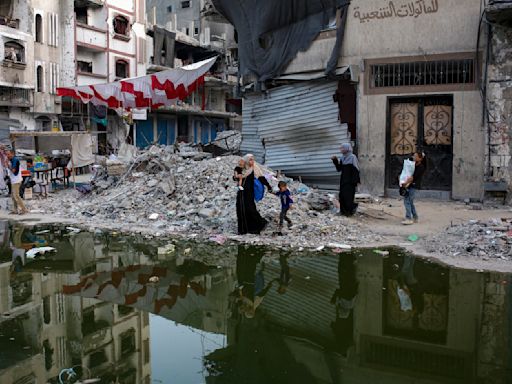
[421, 124]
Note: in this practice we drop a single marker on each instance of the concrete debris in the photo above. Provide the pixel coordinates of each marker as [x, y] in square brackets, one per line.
[229, 140]
[177, 191]
[483, 239]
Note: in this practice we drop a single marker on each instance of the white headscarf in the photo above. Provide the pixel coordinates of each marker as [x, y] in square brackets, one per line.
[258, 172]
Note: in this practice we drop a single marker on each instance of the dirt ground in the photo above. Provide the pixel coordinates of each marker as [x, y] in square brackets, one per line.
[382, 219]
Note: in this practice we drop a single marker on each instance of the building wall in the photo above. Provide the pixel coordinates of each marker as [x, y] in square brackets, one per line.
[452, 28]
[499, 104]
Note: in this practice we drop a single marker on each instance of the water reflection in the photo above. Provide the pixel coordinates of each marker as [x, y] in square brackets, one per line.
[264, 317]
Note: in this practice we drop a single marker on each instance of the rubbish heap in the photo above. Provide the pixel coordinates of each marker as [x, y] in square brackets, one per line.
[483, 239]
[181, 190]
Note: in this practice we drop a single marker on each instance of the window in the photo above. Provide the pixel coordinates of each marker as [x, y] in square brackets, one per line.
[169, 9]
[127, 342]
[39, 79]
[196, 31]
[422, 73]
[185, 4]
[121, 25]
[84, 66]
[122, 69]
[39, 28]
[81, 15]
[14, 52]
[47, 316]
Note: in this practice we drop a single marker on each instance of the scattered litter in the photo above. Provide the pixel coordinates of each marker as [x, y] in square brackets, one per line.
[154, 279]
[167, 249]
[74, 230]
[34, 252]
[308, 278]
[219, 239]
[413, 238]
[339, 246]
[382, 253]
[42, 232]
[187, 251]
[320, 248]
[153, 216]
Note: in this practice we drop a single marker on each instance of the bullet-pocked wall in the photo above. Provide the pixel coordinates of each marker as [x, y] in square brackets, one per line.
[401, 31]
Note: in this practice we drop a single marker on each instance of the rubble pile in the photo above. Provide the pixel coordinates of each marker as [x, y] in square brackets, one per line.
[483, 239]
[191, 193]
[229, 140]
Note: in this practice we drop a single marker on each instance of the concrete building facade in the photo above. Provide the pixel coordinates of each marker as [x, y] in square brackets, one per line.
[181, 35]
[413, 79]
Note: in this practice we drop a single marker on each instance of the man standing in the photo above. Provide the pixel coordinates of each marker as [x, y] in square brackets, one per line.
[16, 180]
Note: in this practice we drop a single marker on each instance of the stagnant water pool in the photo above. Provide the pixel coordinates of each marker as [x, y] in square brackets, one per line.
[108, 308]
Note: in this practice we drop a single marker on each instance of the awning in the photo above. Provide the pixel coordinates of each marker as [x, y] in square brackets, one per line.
[152, 91]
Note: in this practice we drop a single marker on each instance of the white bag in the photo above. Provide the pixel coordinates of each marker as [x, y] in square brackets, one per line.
[405, 300]
[407, 171]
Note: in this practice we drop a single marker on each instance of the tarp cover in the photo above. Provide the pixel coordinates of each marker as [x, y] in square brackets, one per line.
[271, 33]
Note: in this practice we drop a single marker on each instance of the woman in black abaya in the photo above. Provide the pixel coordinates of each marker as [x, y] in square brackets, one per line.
[249, 219]
[348, 165]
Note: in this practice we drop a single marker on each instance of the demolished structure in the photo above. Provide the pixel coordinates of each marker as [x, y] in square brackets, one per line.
[387, 78]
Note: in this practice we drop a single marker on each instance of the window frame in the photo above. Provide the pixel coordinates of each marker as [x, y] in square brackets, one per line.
[369, 89]
[127, 66]
[15, 44]
[38, 32]
[125, 35]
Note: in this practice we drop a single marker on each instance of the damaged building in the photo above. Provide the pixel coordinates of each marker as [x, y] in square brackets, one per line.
[181, 36]
[391, 79]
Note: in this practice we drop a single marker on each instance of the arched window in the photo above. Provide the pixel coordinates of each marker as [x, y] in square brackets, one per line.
[14, 52]
[39, 79]
[122, 69]
[39, 28]
[121, 25]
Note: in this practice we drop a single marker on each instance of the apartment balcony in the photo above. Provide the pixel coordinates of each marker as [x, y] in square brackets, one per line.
[499, 11]
[15, 97]
[91, 38]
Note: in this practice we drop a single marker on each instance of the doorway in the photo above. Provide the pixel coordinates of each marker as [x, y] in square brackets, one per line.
[421, 124]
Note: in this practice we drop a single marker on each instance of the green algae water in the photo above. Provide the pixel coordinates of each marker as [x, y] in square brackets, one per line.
[105, 308]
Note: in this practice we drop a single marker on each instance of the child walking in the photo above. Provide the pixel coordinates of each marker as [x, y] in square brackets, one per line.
[239, 172]
[286, 204]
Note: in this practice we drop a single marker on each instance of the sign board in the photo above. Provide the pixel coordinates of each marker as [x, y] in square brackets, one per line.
[139, 114]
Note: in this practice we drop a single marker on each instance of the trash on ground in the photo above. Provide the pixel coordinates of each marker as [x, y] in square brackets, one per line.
[34, 252]
[167, 249]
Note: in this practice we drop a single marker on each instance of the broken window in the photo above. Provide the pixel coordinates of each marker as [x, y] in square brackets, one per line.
[121, 25]
[122, 69]
[185, 4]
[169, 9]
[84, 66]
[14, 52]
[39, 28]
[81, 15]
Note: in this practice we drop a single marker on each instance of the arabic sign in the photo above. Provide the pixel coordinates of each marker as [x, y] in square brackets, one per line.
[395, 9]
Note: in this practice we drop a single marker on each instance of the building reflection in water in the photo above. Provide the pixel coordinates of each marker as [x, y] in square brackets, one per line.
[331, 318]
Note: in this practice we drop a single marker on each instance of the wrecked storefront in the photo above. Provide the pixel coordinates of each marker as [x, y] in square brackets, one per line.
[413, 86]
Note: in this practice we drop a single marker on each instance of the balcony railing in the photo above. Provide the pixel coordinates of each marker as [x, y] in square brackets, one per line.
[15, 97]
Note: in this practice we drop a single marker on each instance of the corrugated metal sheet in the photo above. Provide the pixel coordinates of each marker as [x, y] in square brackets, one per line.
[306, 307]
[300, 126]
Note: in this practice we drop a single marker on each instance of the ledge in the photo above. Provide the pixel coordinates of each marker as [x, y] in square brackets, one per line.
[91, 28]
[118, 36]
[89, 74]
[12, 64]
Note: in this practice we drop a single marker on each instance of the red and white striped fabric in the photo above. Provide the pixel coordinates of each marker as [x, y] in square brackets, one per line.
[152, 91]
